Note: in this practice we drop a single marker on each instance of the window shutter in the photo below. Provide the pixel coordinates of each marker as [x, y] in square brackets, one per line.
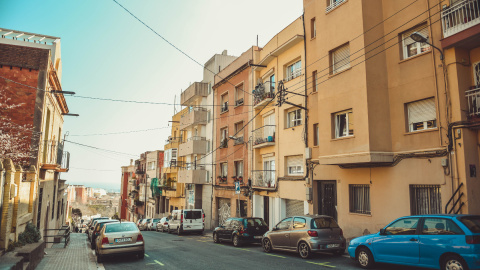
[420, 111]
[407, 40]
[341, 58]
[294, 161]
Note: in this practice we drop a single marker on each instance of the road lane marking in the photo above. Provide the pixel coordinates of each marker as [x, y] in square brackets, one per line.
[159, 262]
[146, 255]
[245, 249]
[322, 264]
[275, 255]
[203, 241]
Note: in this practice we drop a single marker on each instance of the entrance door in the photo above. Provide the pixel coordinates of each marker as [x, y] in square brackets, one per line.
[266, 212]
[327, 198]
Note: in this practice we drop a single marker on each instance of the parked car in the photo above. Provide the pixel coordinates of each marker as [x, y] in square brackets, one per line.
[162, 225]
[240, 230]
[152, 224]
[143, 225]
[305, 235]
[119, 238]
[431, 241]
[98, 227]
[187, 220]
[89, 224]
[138, 222]
[92, 227]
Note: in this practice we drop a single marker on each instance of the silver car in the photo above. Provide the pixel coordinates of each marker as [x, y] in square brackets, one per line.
[305, 235]
[162, 225]
[119, 239]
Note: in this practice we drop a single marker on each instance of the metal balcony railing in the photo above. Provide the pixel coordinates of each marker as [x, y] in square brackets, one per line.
[196, 138]
[460, 16]
[224, 107]
[333, 4]
[264, 135]
[263, 178]
[173, 140]
[53, 154]
[473, 100]
[262, 92]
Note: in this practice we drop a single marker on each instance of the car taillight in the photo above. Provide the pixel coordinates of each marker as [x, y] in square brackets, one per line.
[181, 218]
[472, 239]
[166, 223]
[140, 238]
[105, 241]
[242, 231]
[313, 233]
[203, 218]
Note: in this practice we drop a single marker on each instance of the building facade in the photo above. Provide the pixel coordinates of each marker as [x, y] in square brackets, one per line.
[126, 187]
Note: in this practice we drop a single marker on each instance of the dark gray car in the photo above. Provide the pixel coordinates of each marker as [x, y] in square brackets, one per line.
[305, 235]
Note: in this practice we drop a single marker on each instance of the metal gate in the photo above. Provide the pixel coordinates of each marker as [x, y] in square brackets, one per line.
[294, 207]
[223, 210]
[327, 201]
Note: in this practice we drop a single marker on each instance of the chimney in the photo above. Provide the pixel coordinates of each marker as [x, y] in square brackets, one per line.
[224, 52]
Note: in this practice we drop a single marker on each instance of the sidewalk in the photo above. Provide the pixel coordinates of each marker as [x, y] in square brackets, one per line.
[77, 255]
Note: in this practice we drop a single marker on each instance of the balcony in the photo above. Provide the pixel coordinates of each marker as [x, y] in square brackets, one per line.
[139, 172]
[263, 179]
[194, 91]
[168, 184]
[264, 136]
[172, 140]
[192, 174]
[194, 145]
[473, 100]
[224, 107]
[460, 16]
[263, 94]
[196, 116]
[53, 156]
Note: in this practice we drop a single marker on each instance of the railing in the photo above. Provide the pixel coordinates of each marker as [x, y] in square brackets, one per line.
[53, 154]
[456, 201]
[63, 232]
[265, 134]
[223, 143]
[193, 109]
[460, 16]
[263, 178]
[473, 100]
[139, 172]
[173, 140]
[334, 4]
[224, 107]
[196, 138]
[263, 91]
[239, 102]
[238, 140]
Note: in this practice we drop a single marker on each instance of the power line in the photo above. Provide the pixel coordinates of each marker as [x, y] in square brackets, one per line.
[102, 149]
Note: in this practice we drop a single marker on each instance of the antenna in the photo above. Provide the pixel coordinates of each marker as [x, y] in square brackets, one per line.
[257, 40]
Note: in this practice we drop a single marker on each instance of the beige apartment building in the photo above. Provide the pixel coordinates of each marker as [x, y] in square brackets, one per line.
[277, 146]
[388, 135]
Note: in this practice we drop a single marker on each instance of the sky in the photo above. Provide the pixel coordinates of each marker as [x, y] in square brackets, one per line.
[106, 53]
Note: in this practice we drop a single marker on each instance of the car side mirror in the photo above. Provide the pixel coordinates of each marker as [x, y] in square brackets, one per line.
[274, 228]
[382, 232]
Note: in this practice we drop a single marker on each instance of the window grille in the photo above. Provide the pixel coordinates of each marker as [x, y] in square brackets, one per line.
[425, 199]
[360, 199]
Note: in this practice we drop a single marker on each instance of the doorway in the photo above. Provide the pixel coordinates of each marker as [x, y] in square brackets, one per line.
[266, 212]
[327, 198]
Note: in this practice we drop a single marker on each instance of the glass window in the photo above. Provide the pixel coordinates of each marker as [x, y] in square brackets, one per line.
[323, 223]
[294, 165]
[314, 81]
[316, 135]
[299, 223]
[340, 59]
[120, 227]
[294, 70]
[422, 115]
[440, 226]
[425, 199]
[272, 83]
[344, 124]
[239, 94]
[406, 226]
[472, 223]
[284, 224]
[255, 222]
[410, 46]
[294, 118]
[313, 28]
[238, 168]
[360, 199]
[193, 214]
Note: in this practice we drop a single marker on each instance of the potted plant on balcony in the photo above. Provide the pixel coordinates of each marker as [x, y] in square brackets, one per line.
[224, 179]
[240, 179]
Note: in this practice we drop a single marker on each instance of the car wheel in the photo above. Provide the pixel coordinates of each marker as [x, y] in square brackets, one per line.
[141, 255]
[454, 262]
[304, 250]
[99, 258]
[215, 238]
[365, 258]
[236, 241]
[267, 245]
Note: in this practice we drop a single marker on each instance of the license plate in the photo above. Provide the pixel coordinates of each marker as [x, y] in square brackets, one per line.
[121, 240]
[257, 237]
[333, 245]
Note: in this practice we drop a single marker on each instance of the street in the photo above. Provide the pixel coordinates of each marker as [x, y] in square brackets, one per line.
[170, 251]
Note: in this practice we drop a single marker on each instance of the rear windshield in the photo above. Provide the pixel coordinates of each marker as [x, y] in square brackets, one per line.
[324, 222]
[120, 227]
[472, 223]
[156, 220]
[193, 214]
[255, 222]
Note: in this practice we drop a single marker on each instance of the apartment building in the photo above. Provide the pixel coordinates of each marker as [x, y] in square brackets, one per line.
[385, 130]
[31, 71]
[126, 188]
[140, 192]
[232, 91]
[153, 172]
[197, 126]
[277, 133]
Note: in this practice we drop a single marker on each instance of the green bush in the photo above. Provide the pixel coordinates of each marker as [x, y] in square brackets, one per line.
[30, 235]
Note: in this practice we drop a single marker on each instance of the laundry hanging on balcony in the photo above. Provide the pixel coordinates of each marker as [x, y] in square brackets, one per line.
[156, 191]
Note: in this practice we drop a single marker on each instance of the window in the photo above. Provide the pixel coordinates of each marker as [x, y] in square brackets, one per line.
[224, 103]
[294, 165]
[316, 135]
[284, 224]
[313, 28]
[294, 118]
[238, 168]
[359, 199]
[406, 226]
[344, 124]
[239, 95]
[421, 115]
[294, 70]
[299, 223]
[269, 172]
[151, 165]
[269, 126]
[425, 199]
[224, 169]
[272, 83]
[238, 132]
[476, 73]
[314, 81]
[332, 4]
[440, 226]
[340, 59]
[223, 137]
[412, 48]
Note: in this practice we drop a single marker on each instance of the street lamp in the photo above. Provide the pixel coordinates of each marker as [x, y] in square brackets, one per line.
[417, 37]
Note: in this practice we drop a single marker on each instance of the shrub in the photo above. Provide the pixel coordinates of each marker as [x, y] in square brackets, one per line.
[30, 235]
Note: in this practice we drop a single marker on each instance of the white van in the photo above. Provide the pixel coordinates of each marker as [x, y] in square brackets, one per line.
[187, 220]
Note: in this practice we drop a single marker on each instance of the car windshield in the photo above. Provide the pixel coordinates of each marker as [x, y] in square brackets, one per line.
[193, 214]
[156, 220]
[323, 223]
[472, 223]
[253, 222]
[120, 227]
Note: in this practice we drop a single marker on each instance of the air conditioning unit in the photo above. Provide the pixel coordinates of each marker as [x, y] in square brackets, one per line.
[13, 191]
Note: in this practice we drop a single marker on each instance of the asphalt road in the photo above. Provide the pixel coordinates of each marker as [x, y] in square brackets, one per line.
[169, 251]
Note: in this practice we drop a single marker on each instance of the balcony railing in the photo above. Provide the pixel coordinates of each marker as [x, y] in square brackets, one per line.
[193, 145]
[224, 107]
[263, 92]
[196, 116]
[173, 140]
[264, 178]
[264, 136]
[473, 100]
[460, 16]
[333, 5]
[238, 140]
[53, 154]
[194, 91]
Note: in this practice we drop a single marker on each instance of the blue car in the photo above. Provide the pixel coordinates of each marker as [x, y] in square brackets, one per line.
[432, 241]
